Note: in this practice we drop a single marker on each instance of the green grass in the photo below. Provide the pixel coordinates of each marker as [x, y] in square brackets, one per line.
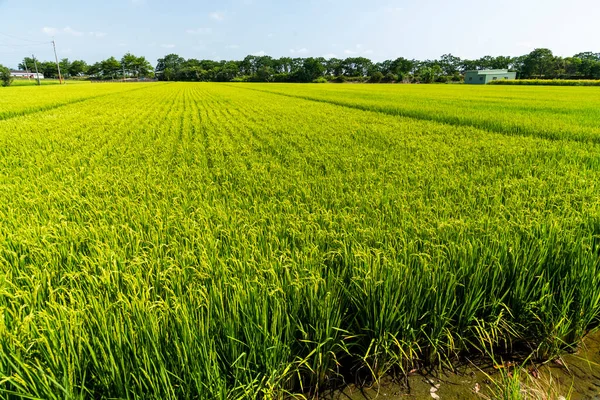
[184, 240]
[33, 82]
[549, 82]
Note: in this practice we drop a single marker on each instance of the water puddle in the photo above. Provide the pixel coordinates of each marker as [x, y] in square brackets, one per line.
[574, 376]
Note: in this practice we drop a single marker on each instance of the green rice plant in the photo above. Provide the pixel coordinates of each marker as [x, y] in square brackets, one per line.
[192, 240]
[549, 82]
[549, 112]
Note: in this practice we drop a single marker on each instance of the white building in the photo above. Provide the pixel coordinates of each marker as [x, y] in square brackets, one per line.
[25, 74]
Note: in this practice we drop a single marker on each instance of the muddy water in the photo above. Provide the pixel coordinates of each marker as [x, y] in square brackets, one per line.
[574, 376]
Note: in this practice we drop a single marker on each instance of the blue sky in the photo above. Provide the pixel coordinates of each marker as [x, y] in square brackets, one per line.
[231, 29]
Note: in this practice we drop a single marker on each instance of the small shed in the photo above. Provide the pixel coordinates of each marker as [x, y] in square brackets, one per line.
[488, 75]
[25, 74]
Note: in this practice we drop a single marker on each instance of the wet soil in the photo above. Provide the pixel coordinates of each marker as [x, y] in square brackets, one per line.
[573, 376]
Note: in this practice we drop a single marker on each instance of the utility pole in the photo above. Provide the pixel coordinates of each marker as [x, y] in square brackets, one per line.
[37, 74]
[57, 65]
[26, 70]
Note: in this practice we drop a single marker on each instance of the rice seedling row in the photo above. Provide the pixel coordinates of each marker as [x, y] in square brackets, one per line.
[546, 112]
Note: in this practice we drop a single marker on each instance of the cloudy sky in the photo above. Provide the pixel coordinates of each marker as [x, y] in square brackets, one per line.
[231, 29]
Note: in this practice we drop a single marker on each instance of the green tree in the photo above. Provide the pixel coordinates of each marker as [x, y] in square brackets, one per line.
[5, 78]
[78, 68]
[356, 66]
[48, 69]
[588, 64]
[403, 66]
[312, 68]
[469, 65]
[449, 64]
[539, 63]
[503, 62]
[333, 67]
[27, 64]
[247, 66]
[65, 65]
[95, 70]
[111, 68]
[143, 68]
[264, 74]
[376, 77]
[228, 71]
[169, 66]
[390, 77]
[129, 63]
[429, 73]
[136, 66]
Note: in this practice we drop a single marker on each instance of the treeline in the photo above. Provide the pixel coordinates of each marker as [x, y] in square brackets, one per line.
[539, 64]
[129, 66]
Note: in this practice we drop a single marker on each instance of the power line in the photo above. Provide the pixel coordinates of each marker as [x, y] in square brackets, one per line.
[22, 39]
[24, 45]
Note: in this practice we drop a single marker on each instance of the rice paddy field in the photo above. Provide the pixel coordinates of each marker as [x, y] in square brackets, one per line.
[211, 241]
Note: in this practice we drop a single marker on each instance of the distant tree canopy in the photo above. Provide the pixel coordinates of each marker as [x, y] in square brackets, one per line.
[539, 64]
[129, 66]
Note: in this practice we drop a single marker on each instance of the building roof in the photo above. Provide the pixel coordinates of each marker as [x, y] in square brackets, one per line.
[14, 71]
[489, 71]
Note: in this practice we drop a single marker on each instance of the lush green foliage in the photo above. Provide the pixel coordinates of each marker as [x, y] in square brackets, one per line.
[130, 65]
[539, 63]
[210, 241]
[5, 78]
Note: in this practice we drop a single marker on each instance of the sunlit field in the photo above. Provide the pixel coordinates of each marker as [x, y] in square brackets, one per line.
[203, 240]
[43, 82]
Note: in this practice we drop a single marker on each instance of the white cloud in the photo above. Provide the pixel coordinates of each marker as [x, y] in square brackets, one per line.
[393, 9]
[259, 53]
[70, 31]
[167, 46]
[49, 30]
[199, 31]
[526, 45]
[358, 49]
[303, 50]
[270, 35]
[97, 34]
[232, 46]
[217, 15]
[330, 55]
[122, 44]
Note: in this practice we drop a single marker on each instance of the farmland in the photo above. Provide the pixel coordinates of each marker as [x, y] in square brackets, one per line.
[196, 240]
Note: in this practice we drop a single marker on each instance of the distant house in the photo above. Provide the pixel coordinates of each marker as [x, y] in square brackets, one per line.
[488, 75]
[25, 74]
